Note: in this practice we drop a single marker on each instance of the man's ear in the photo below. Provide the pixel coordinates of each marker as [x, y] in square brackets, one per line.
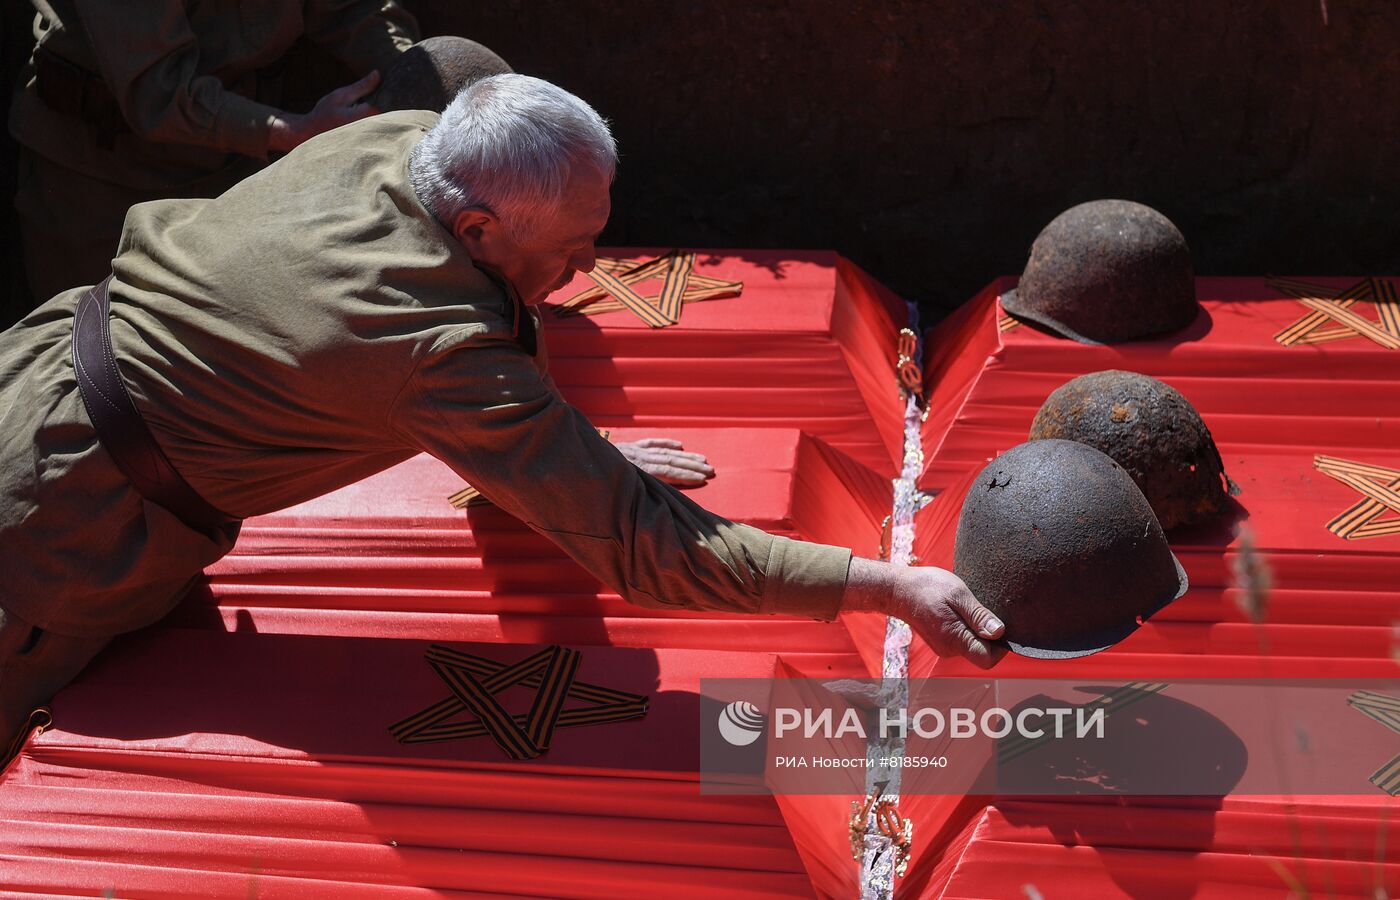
[476, 230]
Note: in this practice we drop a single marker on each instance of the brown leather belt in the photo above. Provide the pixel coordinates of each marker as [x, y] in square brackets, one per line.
[120, 428]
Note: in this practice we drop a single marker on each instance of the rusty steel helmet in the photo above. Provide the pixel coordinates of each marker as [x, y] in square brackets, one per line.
[1151, 431]
[431, 72]
[1105, 272]
[1056, 539]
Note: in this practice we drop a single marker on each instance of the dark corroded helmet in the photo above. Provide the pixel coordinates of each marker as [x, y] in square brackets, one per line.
[1105, 272]
[1151, 431]
[431, 72]
[1057, 541]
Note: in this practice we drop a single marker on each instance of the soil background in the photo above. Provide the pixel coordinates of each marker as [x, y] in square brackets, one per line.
[931, 141]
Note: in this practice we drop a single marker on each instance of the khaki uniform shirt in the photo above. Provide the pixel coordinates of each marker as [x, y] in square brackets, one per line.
[311, 326]
[186, 77]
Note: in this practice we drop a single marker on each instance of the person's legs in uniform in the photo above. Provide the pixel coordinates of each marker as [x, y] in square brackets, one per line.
[34, 665]
[85, 556]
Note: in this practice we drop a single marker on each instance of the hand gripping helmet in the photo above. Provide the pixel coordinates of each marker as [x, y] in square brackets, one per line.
[431, 72]
[1105, 272]
[1151, 431]
[1056, 540]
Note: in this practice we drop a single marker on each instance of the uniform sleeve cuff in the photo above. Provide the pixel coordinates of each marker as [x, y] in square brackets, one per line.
[243, 126]
[806, 579]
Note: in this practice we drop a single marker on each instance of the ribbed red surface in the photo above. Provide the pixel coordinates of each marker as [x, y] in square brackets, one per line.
[241, 748]
[1330, 614]
[1254, 393]
[390, 557]
[810, 344]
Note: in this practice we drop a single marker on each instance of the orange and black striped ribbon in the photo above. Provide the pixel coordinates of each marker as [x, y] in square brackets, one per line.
[1353, 320]
[628, 271]
[1373, 529]
[1381, 707]
[630, 298]
[482, 666]
[1362, 520]
[617, 282]
[613, 289]
[1112, 702]
[499, 723]
[495, 679]
[1387, 777]
[1336, 307]
[1309, 329]
[549, 701]
[1388, 305]
[674, 286]
[592, 715]
[465, 497]
[1358, 476]
[701, 288]
[474, 681]
[1386, 710]
[1006, 323]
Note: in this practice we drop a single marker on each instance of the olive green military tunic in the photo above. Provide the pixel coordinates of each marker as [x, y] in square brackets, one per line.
[311, 326]
[188, 90]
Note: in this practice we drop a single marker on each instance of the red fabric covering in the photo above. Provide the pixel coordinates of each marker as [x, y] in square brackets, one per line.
[1330, 613]
[263, 761]
[1252, 391]
[1333, 601]
[1160, 848]
[809, 344]
[390, 557]
[241, 746]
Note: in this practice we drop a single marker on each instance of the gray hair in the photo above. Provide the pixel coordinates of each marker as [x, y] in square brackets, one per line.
[507, 144]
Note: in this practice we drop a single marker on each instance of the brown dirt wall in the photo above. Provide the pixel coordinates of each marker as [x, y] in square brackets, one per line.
[930, 141]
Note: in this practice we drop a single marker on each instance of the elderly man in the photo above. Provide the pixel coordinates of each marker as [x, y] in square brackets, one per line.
[362, 300]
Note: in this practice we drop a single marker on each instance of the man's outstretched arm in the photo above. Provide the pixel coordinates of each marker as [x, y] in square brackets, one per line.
[478, 403]
[936, 604]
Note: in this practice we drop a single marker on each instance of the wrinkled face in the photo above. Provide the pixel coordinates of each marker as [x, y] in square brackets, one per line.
[547, 259]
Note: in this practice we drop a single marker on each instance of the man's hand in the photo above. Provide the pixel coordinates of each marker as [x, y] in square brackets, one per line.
[340, 107]
[935, 603]
[667, 461]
